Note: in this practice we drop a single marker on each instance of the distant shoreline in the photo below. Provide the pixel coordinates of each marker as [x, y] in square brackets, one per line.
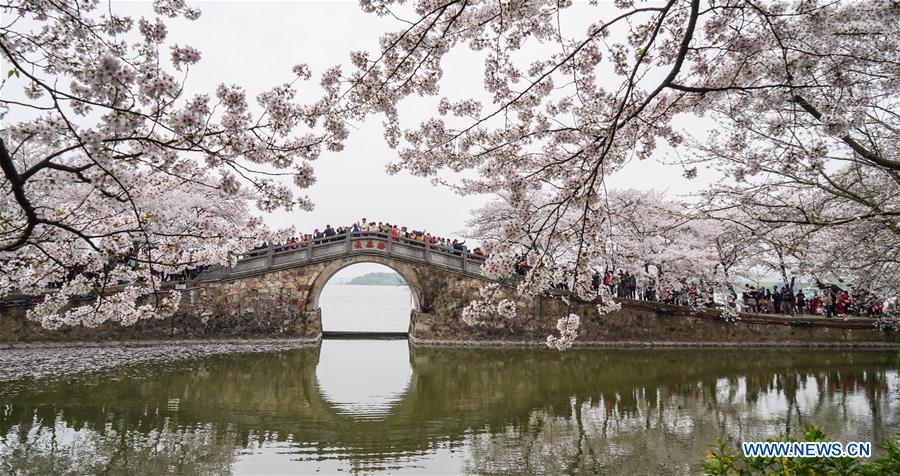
[377, 279]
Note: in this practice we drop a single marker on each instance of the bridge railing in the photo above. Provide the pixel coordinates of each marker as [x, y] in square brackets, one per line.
[347, 244]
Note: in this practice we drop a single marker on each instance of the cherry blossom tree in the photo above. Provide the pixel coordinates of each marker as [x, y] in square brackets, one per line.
[805, 93]
[659, 241]
[865, 255]
[113, 175]
[736, 248]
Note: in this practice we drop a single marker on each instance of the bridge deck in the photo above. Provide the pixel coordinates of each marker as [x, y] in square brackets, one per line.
[350, 244]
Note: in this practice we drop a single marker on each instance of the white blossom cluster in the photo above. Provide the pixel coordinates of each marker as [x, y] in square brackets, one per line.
[730, 314]
[568, 332]
[490, 310]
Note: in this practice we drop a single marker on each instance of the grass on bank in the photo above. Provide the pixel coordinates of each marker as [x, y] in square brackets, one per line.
[724, 459]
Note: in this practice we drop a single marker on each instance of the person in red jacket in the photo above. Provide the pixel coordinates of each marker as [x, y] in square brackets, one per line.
[814, 304]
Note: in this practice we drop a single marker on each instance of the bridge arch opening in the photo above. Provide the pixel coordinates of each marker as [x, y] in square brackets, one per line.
[363, 296]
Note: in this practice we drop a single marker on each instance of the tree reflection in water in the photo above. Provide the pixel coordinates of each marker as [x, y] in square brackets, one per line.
[479, 411]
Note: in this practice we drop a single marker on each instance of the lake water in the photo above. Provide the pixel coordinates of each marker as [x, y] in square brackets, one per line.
[365, 406]
[348, 307]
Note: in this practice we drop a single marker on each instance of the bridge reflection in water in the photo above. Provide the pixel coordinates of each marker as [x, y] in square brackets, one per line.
[447, 410]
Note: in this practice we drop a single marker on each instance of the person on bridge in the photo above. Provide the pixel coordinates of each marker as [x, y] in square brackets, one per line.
[329, 232]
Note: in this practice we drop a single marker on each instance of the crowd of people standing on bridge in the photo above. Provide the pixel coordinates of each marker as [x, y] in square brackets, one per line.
[365, 228]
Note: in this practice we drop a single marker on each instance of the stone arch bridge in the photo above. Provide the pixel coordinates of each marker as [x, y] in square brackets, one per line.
[284, 282]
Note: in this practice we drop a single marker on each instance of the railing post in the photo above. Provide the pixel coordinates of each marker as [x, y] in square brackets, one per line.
[349, 245]
[427, 251]
[464, 254]
[309, 248]
[270, 257]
